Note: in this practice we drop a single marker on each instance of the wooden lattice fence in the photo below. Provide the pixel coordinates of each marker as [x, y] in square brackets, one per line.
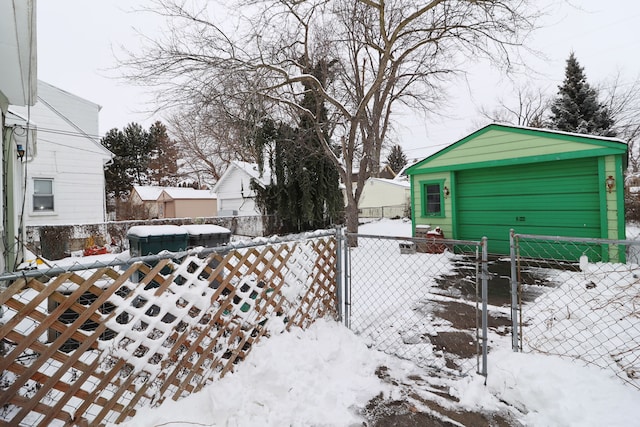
[89, 347]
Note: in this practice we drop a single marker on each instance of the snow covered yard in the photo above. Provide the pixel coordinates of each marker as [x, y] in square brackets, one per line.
[327, 376]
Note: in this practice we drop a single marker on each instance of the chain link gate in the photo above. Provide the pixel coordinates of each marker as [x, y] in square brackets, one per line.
[419, 299]
[578, 298]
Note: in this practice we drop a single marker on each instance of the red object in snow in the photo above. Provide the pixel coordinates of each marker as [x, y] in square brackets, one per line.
[95, 250]
[432, 247]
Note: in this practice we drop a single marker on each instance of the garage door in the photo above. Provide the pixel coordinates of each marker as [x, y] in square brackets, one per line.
[555, 198]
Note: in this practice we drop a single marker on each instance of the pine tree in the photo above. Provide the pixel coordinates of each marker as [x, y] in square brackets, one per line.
[577, 108]
[117, 180]
[396, 159]
[136, 152]
[163, 157]
[141, 158]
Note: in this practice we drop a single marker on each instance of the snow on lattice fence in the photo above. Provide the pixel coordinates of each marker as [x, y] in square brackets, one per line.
[91, 345]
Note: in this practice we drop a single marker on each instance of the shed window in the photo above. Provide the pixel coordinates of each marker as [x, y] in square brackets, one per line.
[432, 199]
[43, 195]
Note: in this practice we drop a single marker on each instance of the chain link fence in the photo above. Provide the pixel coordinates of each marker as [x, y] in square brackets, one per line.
[579, 298]
[395, 211]
[402, 297]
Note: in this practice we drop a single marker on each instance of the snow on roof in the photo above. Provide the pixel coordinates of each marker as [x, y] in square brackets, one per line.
[148, 192]
[394, 181]
[156, 230]
[252, 170]
[152, 192]
[547, 130]
[402, 174]
[197, 229]
[188, 193]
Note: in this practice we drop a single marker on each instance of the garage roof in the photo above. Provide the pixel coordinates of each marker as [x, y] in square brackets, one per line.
[500, 145]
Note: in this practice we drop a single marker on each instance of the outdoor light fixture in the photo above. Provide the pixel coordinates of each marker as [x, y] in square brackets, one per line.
[20, 150]
[610, 182]
[446, 191]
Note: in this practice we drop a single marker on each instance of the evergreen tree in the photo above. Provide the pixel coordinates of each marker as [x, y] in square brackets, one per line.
[304, 193]
[577, 108]
[138, 147]
[141, 158]
[117, 180]
[396, 159]
[163, 157]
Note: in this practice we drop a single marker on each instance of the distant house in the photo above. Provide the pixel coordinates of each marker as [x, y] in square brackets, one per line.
[385, 172]
[63, 161]
[173, 202]
[235, 197]
[384, 198]
[534, 181]
[18, 87]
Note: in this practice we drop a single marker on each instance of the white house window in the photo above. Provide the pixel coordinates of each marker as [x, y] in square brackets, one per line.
[43, 195]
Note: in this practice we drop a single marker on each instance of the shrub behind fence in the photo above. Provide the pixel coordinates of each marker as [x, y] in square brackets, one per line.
[90, 344]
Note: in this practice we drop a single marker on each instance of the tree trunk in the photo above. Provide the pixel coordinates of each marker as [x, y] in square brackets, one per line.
[351, 218]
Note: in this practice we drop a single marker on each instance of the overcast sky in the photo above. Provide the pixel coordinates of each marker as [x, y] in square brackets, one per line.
[77, 40]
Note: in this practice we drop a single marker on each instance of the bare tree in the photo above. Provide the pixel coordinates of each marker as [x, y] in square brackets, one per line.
[208, 144]
[379, 54]
[623, 101]
[529, 108]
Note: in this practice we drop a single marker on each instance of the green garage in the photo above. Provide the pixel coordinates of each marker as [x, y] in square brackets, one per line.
[531, 180]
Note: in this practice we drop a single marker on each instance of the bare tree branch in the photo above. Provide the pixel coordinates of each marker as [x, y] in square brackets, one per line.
[382, 53]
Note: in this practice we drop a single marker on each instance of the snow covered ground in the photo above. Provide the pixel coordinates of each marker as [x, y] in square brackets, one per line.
[325, 375]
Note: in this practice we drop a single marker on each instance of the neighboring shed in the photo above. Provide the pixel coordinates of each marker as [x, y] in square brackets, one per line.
[535, 181]
[174, 202]
[384, 198]
[147, 197]
[179, 202]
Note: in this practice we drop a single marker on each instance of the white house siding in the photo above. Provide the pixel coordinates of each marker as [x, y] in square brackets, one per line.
[384, 198]
[68, 151]
[18, 87]
[81, 112]
[235, 194]
[18, 52]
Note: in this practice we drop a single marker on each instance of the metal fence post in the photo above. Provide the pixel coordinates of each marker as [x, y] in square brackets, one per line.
[514, 292]
[347, 280]
[339, 282]
[485, 296]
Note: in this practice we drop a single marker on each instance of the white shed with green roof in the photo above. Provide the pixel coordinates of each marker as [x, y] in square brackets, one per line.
[535, 181]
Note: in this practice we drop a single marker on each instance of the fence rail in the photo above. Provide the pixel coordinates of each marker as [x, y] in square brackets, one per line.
[578, 298]
[89, 346]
